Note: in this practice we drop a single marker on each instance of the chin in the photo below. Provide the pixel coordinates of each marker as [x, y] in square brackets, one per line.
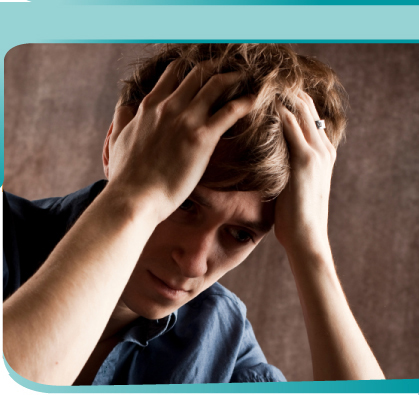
[155, 313]
[148, 309]
[155, 316]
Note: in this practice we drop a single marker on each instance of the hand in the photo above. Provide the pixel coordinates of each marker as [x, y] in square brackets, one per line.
[301, 210]
[164, 149]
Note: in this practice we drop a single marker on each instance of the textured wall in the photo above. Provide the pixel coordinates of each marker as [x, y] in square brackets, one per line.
[59, 103]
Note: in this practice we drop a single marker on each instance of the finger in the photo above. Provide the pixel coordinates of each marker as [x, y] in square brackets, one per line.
[312, 108]
[310, 103]
[230, 113]
[291, 129]
[167, 83]
[211, 92]
[307, 121]
[194, 81]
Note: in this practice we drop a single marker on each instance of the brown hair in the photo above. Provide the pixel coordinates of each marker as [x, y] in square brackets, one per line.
[253, 154]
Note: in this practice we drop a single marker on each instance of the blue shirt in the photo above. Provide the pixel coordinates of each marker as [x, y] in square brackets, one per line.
[208, 340]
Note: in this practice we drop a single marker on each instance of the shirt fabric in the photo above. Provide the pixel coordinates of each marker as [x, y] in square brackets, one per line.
[208, 340]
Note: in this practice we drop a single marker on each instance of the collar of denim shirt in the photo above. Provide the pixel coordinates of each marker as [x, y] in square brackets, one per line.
[143, 330]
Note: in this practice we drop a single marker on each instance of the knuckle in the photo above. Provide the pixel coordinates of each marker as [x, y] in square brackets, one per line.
[323, 154]
[217, 80]
[290, 118]
[304, 106]
[320, 156]
[307, 98]
[307, 158]
[167, 108]
[327, 155]
[148, 101]
[188, 123]
[195, 136]
[232, 108]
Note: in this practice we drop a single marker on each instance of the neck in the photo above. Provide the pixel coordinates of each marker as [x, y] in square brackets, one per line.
[121, 317]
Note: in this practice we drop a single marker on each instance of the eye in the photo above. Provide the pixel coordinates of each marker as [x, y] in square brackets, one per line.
[241, 235]
[186, 205]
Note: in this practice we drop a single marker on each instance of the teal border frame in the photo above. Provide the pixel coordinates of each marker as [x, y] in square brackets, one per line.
[382, 386]
[68, 21]
[228, 2]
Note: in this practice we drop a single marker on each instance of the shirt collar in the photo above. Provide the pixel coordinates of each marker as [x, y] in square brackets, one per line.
[143, 330]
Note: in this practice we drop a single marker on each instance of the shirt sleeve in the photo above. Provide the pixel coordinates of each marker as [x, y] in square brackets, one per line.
[251, 365]
[11, 270]
[262, 373]
[5, 272]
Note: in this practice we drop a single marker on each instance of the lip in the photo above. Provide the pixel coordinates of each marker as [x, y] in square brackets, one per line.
[166, 290]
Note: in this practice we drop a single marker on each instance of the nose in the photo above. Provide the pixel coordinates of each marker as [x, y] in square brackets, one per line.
[192, 253]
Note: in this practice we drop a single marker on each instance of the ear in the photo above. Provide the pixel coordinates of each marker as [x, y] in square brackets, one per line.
[105, 153]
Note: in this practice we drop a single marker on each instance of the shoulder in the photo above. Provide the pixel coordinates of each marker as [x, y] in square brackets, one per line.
[24, 208]
[45, 220]
[33, 228]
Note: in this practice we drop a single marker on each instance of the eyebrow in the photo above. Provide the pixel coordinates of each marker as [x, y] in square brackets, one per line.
[258, 226]
[200, 199]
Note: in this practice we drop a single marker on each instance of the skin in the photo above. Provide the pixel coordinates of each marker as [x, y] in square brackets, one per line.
[193, 248]
[80, 281]
[339, 350]
[170, 244]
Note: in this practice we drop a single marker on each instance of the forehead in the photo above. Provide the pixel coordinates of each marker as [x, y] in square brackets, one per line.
[246, 208]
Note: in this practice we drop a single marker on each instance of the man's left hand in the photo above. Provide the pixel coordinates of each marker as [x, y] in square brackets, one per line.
[301, 211]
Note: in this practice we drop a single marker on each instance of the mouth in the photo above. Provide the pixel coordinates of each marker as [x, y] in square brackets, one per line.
[168, 291]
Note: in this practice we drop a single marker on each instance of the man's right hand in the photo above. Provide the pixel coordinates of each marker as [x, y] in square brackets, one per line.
[163, 149]
[153, 159]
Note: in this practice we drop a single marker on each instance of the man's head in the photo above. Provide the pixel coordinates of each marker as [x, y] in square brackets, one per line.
[253, 154]
[232, 207]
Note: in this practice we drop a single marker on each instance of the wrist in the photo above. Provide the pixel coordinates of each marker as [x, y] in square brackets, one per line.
[134, 206]
[306, 241]
[309, 256]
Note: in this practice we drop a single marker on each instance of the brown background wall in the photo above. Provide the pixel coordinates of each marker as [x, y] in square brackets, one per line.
[59, 103]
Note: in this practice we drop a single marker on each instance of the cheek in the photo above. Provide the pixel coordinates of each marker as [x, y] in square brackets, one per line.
[158, 243]
[226, 261]
[236, 257]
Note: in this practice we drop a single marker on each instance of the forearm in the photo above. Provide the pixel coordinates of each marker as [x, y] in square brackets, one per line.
[53, 322]
[338, 348]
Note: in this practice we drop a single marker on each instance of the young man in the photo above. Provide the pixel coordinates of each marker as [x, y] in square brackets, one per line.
[210, 146]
